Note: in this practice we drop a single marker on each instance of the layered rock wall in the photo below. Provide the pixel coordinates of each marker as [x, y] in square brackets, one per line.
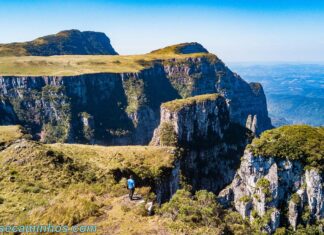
[201, 126]
[125, 107]
[267, 185]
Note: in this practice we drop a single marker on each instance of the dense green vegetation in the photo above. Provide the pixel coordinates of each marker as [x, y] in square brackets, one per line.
[201, 214]
[134, 89]
[296, 142]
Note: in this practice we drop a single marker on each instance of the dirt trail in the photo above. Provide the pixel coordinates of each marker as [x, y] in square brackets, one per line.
[118, 216]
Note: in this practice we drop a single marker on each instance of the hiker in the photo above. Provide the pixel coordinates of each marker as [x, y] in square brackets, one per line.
[131, 187]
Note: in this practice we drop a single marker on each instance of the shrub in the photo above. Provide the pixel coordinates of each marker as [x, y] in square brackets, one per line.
[254, 214]
[280, 231]
[306, 215]
[264, 185]
[168, 137]
[200, 209]
[141, 210]
[245, 199]
[235, 224]
[2, 200]
[295, 198]
[260, 222]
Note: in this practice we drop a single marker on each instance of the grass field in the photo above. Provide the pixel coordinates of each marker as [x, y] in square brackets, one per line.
[10, 133]
[72, 183]
[70, 65]
[145, 161]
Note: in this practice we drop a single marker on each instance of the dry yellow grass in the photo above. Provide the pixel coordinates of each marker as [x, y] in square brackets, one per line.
[177, 104]
[62, 183]
[10, 133]
[70, 65]
[118, 216]
[143, 160]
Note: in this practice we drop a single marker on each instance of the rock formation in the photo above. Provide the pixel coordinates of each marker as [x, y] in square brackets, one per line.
[270, 180]
[212, 146]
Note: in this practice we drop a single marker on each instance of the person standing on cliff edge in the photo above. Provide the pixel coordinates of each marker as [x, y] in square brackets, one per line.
[131, 186]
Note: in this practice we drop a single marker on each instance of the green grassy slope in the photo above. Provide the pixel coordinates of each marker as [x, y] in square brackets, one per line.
[65, 184]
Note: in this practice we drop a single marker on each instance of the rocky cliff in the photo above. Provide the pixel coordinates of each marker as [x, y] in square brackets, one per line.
[211, 144]
[247, 102]
[68, 42]
[280, 180]
[124, 107]
[97, 108]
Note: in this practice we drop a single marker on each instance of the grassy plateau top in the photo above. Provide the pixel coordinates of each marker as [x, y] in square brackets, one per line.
[176, 105]
[71, 65]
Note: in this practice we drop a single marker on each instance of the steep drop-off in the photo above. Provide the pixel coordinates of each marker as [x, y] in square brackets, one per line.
[124, 107]
[211, 144]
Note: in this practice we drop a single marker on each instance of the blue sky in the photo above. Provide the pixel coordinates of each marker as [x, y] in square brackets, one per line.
[235, 30]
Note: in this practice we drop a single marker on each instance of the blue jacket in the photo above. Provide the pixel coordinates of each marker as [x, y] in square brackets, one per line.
[130, 183]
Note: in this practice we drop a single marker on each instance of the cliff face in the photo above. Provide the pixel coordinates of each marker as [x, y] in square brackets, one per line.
[121, 108]
[124, 108]
[265, 187]
[68, 42]
[201, 126]
[247, 102]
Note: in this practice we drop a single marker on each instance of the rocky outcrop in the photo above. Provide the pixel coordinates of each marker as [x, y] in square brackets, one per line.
[263, 185]
[201, 126]
[314, 192]
[247, 102]
[195, 119]
[68, 42]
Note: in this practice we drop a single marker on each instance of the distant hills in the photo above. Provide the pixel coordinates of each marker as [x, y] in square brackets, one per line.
[295, 92]
[68, 42]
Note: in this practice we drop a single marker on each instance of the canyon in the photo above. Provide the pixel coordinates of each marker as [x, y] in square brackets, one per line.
[177, 119]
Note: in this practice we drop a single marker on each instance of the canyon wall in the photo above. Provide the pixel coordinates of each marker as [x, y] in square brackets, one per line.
[124, 108]
[211, 144]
